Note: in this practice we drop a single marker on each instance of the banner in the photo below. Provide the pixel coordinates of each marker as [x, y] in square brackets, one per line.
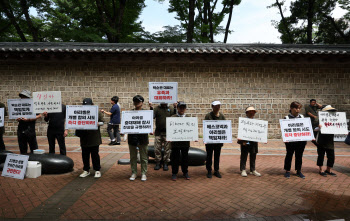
[340, 137]
[82, 117]
[252, 130]
[47, 101]
[333, 122]
[217, 131]
[137, 122]
[162, 92]
[2, 117]
[181, 128]
[15, 166]
[20, 108]
[297, 129]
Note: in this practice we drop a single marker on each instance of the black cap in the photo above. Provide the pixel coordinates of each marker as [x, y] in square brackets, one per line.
[181, 103]
[138, 98]
[87, 101]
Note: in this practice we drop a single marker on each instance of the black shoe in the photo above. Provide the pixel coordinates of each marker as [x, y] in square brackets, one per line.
[116, 143]
[165, 167]
[174, 177]
[186, 176]
[287, 175]
[299, 174]
[111, 143]
[157, 167]
[323, 174]
[330, 173]
[209, 175]
[217, 174]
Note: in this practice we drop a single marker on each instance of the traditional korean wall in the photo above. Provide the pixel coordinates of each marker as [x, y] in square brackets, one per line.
[269, 87]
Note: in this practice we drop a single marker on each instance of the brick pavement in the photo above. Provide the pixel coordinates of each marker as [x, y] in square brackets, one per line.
[113, 196]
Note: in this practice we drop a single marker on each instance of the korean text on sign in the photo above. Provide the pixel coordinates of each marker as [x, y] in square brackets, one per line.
[162, 92]
[181, 128]
[20, 108]
[298, 129]
[47, 101]
[15, 166]
[217, 131]
[333, 122]
[82, 117]
[2, 116]
[137, 122]
[252, 130]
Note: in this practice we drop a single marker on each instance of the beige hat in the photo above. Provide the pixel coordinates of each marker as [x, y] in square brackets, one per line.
[214, 103]
[329, 108]
[251, 108]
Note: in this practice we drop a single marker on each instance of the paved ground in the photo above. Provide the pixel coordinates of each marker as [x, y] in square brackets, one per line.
[113, 196]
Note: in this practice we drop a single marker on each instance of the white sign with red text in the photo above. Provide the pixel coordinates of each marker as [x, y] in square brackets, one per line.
[162, 92]
[297, 129]
[47, 101]
[15, 166]
[333, 122]
[82, 117]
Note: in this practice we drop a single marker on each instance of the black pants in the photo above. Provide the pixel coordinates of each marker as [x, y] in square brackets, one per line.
[210, 148]
[298, 148]
[175, 159]
[115, 133]
[51, 137]
[95, 157]
[24, 140]
[330, 156]
[244, 156]
[2, 144]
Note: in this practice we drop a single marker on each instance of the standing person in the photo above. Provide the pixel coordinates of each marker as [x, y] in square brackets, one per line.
[26, 129]
[311, 111]
[160, 113]
[179, 149]
[90, 141]
[250, 147]
[325, 144]
[297, 147]
[216, 148]
[2, 129]
[113, 124]
[139, 141]
[56, 130]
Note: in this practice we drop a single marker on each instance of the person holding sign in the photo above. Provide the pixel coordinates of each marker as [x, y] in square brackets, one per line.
[26, 129]
[325, 145]
[160, 113]
[55, 130]
[90, 141]
[179, 149]
[139, 141]
[297, 147]
[2, 129]
[250, 147]
[114, 113]
[216, 148]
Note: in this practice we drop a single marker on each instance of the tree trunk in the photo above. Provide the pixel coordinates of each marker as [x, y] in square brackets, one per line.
[211, 31]
[32, 29]
[204, 33]
[310, 15]
[279, 5]
[190, 26]
[8, 11]
[228, 22]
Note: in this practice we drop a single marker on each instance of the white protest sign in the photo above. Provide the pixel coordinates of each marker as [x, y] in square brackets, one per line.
[82, 117]
[137, 122]
[297, 129]
[181, 128]
[340, 137]
[217, 131]
[2, 116]
[15, 166]
[333, 122]
[47, 101]
[162, 92]
[252, 130]
[20, 108]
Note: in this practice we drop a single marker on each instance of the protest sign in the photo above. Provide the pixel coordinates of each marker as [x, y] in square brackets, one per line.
[82, 117]
[137, 122]
[252, 130]
[181, 128]
[217, 131]
[47, 101]
[333, 122]
[15, 166]
[162, 92]
[20, 108]
[297, 129]
[340, 137]
[2, 117]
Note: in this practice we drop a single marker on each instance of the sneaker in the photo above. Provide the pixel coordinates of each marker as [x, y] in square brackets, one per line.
[165, 167]
[112, 142]
[174, 177]
[209, 175]
[143, 177]
[97, 174]
[217, 174]
[133, 177]
[330, 173]
[255, 173]
[287, 175]
[116, 143]
[157, 167]
[299, 174]
[186, 176]
[85, 174]
[322, 173]
[244, 173]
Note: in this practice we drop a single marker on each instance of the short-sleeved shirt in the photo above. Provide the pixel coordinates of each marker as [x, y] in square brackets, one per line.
[313, 111]
[160, 114]
[115, 117]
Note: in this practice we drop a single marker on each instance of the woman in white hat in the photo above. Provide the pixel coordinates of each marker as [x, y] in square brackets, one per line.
[248, 147]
